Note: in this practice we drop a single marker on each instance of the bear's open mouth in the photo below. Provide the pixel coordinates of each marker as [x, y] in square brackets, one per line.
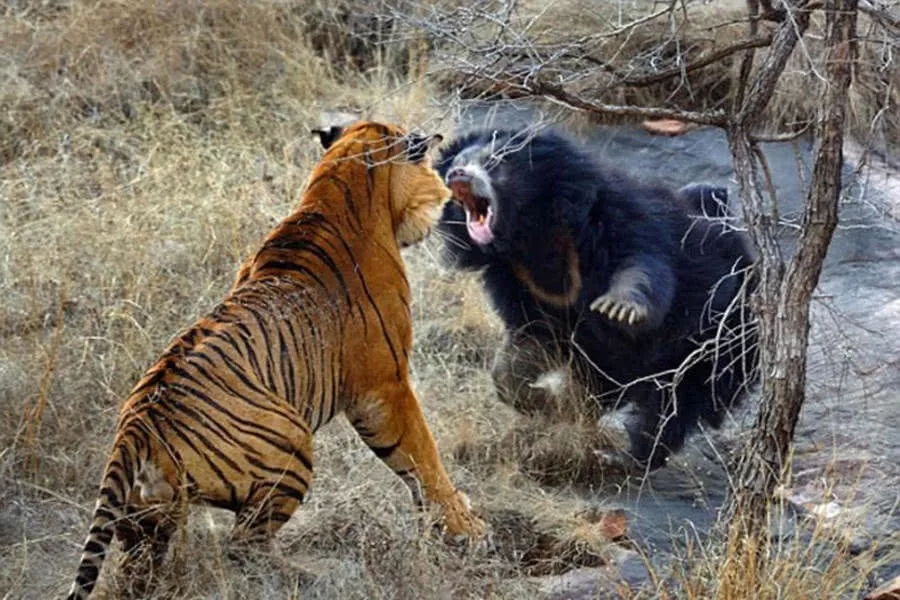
[479, 213]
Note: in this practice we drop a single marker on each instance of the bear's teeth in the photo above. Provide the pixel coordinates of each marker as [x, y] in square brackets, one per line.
[481, 219]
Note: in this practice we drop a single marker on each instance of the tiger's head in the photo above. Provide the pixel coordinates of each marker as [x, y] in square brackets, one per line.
[398, 162]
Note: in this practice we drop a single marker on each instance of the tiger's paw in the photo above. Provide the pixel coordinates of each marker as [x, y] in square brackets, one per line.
[617, 306]
[460, 524]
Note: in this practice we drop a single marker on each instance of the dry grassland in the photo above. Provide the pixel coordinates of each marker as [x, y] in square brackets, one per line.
[145, 148]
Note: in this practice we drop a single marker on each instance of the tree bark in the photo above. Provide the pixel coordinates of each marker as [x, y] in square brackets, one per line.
[784, 295]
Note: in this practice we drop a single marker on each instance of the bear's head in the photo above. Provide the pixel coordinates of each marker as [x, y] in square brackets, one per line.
[514, 186]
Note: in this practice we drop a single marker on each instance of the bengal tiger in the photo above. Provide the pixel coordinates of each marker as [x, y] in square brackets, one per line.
[317, 322]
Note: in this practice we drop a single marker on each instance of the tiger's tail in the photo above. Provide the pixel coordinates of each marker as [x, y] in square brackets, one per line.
[115, 488]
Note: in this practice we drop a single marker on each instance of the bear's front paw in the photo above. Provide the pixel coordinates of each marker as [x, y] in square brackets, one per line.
[623, 309]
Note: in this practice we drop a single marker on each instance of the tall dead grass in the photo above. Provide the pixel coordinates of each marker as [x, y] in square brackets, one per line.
[145, 148]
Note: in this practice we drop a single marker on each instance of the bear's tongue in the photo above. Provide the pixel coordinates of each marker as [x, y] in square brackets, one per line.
[480, 227]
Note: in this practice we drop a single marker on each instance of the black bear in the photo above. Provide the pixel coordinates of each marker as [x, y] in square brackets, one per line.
[632, 284]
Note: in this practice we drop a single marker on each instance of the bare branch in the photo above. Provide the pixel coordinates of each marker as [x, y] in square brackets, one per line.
[747, 60]
[556, 93]
[788, 33]
[638, 22]
[712, 57]
[821, 216]
[881, 15]
[781, 137]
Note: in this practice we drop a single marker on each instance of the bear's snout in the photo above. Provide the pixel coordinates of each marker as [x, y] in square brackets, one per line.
[459, 175]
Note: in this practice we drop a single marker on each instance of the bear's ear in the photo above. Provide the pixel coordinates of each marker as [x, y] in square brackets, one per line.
[418, 145]
[328, 136]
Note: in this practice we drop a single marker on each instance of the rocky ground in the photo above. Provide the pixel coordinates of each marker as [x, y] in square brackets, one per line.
[846, 467]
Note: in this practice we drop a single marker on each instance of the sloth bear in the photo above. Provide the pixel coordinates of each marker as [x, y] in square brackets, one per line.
[631, 284]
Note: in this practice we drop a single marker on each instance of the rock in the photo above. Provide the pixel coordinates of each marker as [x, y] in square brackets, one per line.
[859, 541]
[578, 584]
[798, 500]
[888, 591]
[827, 511]
[610, 523]
[633, 570]
[846, 523]
[613, 525]
[625, 573]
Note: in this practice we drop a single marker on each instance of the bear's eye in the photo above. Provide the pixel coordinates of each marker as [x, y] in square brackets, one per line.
[465, 156]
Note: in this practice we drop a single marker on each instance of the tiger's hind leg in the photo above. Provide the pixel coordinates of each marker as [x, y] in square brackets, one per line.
[276, 493]
[266, 511]
[391, 423]
[145, 533]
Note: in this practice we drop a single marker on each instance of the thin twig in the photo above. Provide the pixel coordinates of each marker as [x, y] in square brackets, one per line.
[48, 492]
[557, 94]
[881, 15]
[781, 137]
[632, 24]
[712, 57]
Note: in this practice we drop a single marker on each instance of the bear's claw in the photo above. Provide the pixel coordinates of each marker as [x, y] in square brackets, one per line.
[620, 309]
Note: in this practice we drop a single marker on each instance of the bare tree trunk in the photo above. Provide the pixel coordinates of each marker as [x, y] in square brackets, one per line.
[784, 295]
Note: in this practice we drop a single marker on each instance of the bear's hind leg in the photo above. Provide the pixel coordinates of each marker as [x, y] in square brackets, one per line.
[660, 428]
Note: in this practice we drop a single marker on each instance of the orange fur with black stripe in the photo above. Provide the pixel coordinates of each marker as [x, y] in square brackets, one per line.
[317, 323]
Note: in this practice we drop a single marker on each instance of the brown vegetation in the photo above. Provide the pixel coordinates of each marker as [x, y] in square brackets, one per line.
[145, 148]
[625, 61]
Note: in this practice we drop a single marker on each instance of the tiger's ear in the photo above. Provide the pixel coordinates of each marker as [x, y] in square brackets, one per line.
[328, 136]
[419, 145]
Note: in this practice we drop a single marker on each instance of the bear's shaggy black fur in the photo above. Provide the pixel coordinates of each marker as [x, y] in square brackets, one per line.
[644, 294]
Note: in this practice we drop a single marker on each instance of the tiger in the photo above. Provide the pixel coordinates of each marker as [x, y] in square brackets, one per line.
[317, 323]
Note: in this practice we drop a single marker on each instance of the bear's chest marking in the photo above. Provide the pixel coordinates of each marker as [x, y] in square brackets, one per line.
[570, 285]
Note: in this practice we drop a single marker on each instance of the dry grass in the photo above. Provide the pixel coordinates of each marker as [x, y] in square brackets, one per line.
[145, 148]
[609, 52]
[816, 561]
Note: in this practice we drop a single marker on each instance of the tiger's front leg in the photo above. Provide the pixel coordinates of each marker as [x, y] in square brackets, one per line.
[392, 424]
